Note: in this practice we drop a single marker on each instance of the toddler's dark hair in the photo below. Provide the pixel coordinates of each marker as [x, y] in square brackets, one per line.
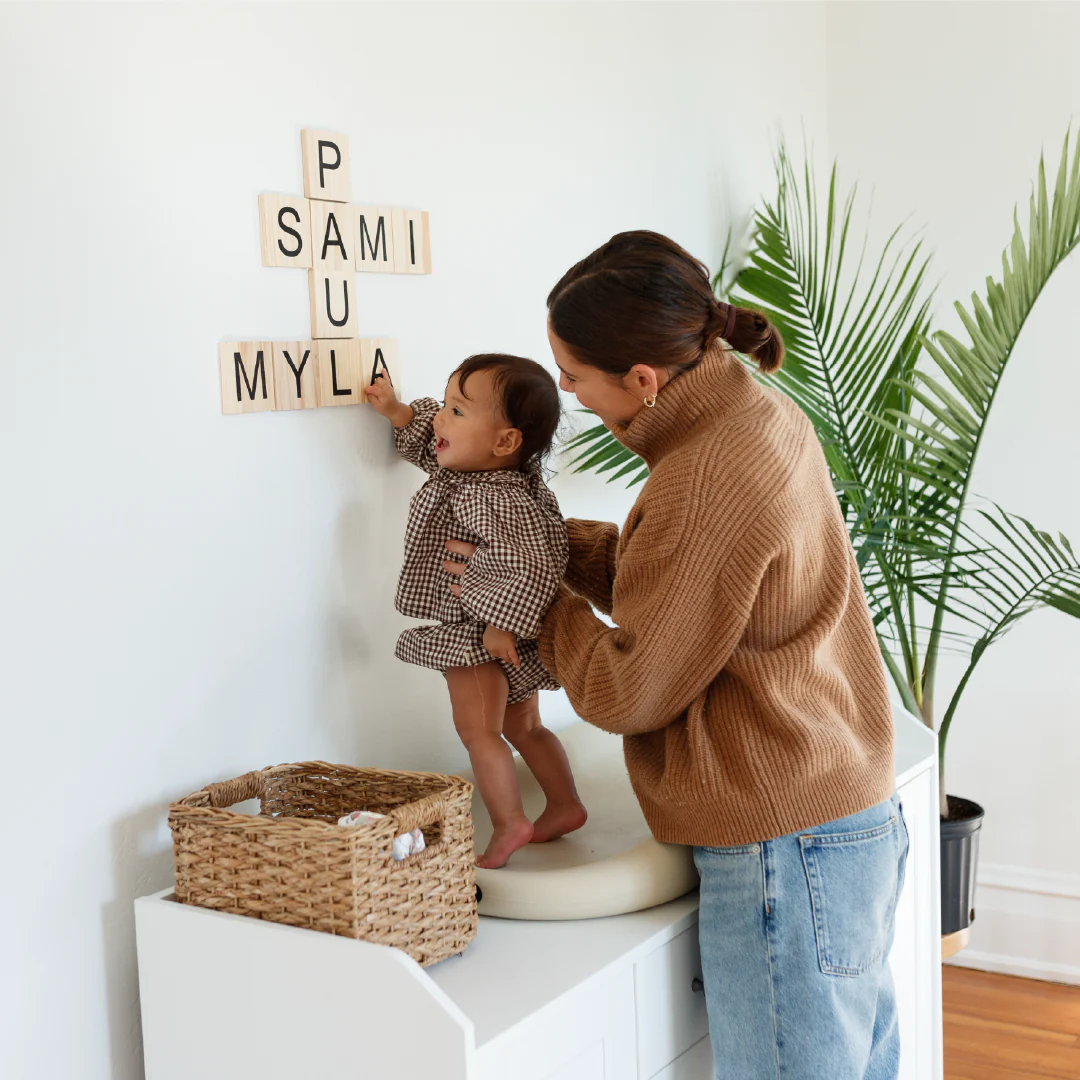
[529, 397]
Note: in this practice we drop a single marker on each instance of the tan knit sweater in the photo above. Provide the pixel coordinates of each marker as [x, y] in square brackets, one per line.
[743, 668]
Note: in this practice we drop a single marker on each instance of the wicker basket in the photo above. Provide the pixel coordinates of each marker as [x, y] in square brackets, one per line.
[294, 864]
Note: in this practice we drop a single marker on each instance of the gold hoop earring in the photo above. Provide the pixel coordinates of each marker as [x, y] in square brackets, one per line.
[650, 401]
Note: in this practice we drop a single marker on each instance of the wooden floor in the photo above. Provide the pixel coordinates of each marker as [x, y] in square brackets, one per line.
[1000, 1028]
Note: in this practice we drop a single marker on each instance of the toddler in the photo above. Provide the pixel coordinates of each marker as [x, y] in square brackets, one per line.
[482, 450]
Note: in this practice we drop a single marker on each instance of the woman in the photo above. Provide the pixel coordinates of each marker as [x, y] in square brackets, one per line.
[742, 670]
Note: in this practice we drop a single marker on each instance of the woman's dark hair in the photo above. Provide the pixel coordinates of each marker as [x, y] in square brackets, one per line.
[529, 397]
[642, 299]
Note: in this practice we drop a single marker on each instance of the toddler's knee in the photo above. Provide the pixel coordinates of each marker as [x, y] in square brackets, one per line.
[522, 725]
[474, 738]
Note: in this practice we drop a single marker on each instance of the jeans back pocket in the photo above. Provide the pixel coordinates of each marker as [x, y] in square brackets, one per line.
[853, 892]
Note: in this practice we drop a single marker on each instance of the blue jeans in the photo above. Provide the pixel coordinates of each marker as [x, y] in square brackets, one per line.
[795, 936]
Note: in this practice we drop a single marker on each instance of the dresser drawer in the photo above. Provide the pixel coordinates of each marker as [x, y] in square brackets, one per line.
[695, 1064]
[586, 1034]
[671, 1014]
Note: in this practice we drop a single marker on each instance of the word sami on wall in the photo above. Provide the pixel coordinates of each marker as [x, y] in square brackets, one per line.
[331, 238]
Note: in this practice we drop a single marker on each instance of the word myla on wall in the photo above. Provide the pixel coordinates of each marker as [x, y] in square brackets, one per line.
[331, 238]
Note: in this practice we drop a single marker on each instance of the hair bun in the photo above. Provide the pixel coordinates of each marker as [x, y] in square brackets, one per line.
[753, 335]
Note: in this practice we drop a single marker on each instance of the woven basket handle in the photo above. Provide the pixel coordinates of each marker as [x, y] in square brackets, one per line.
[416, 815]
[242, 788]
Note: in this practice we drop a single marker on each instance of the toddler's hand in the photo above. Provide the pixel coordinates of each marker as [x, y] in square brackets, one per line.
[381, 397]
[502, 644]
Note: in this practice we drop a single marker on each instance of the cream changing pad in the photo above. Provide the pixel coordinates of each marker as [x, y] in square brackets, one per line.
[610, 867]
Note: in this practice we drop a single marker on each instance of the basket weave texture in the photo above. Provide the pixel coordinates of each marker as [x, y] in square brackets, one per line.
[294, 864]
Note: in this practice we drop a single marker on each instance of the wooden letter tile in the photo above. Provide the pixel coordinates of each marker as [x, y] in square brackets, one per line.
[379, 357]
[338, 368]
[333, 303]
[247, 376]
[412, 242]
[326, 165]
[295, 377]
[285, 230]
[374, 239]
[332, 235]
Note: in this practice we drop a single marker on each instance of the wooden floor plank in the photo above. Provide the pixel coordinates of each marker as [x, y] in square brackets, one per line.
[985, 1042]
[1023, 1001]
[965, 1071]
[1003, 1028]
[1007, 1029]
[962, 1071]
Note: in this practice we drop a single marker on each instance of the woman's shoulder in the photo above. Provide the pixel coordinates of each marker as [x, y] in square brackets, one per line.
[720, 485]
[754, 448]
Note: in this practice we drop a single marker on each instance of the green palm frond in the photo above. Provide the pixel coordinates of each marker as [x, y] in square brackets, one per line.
[1008, 568]
[601, 451]
[949, 401]
[852, 325]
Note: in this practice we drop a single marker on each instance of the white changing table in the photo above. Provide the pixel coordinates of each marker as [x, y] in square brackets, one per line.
[225, 996]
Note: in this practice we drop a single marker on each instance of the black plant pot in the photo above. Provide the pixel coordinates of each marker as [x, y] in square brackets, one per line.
[959, 862]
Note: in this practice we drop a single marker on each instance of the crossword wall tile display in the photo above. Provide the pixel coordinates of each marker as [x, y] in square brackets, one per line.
[332, 239]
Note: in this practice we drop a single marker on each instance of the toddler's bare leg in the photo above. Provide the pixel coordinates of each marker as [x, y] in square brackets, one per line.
[546, 758]
[478, 697]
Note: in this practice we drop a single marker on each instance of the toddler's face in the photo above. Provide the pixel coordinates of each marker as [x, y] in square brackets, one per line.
[472, 432]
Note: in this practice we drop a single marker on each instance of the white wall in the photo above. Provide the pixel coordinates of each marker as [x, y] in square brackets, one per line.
[187, 596]
[944, 109]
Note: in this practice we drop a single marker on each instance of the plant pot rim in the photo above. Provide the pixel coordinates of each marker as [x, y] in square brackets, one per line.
[961, 809]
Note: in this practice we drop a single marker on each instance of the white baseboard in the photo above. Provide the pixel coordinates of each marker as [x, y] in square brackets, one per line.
[1025, 968]
[1027, 923]
[1039, 882]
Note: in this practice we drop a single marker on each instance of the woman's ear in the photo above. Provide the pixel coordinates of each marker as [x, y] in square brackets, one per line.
[644, 381]
[508, 442]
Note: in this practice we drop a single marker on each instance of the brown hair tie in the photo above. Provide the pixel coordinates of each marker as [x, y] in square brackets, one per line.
[730, 324]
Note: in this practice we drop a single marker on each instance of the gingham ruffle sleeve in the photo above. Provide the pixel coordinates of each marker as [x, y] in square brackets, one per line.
[415, 442]
[512, 578]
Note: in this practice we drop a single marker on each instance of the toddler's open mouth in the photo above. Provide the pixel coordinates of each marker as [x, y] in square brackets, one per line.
[440, 445]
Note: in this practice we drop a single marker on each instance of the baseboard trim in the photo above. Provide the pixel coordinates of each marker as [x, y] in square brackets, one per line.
[1024, 967]
[1025, 924]
[1021, 879]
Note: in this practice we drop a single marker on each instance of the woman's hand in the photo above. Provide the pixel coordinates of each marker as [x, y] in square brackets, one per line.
[458, 547]
[502, 644]
[381, 397]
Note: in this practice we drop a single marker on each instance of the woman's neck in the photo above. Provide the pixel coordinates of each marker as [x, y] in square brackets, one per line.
[720, 385]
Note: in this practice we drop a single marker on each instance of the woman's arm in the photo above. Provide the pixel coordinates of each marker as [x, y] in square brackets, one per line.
[680, 607]
[591, 569]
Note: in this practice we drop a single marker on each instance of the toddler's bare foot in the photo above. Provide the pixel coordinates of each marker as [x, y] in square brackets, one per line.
[504, 842]
[557, 821]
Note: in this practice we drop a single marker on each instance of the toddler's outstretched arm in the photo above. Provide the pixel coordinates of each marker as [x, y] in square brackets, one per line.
[414, 434]
[382, 398]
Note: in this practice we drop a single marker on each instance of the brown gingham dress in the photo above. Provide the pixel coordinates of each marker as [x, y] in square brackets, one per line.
[513, 518]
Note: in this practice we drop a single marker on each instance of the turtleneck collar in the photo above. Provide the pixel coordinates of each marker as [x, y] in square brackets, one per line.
[720, 386]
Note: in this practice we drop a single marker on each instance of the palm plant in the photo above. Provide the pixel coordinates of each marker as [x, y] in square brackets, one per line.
[901, 412]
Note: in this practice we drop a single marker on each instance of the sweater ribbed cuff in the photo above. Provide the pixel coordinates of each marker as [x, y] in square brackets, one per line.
[546, 640]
